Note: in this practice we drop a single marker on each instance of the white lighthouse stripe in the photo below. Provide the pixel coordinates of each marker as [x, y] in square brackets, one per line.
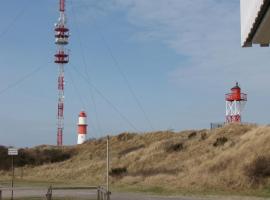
[81, 138]
[82, 121]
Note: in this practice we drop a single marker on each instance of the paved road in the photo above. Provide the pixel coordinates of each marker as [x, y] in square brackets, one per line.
[41, 192]
[86, 194]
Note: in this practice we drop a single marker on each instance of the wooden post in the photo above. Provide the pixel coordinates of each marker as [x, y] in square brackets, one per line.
[12, 180]
[0, 194]
[108, 162]
[107, 194]
[21, 172]
[98, 193]
[49, 193]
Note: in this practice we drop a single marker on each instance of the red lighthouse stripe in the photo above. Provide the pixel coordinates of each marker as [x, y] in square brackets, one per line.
[82, 129]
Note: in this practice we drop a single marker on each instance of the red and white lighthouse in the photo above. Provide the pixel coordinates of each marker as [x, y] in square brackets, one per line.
[235, 103]
[82, 127]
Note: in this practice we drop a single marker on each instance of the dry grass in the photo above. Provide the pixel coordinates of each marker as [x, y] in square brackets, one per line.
[185, 160]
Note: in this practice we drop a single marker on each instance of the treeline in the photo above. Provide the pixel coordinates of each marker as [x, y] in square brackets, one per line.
[33, 157]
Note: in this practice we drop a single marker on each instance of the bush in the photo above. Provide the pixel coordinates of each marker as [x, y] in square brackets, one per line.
[192, 135]
[174, 147]
[120, 171]
[131, 149]
[258, 169]
[203, 136]
[125, 136]
[33, 157]
[220, 141]
[5, 161]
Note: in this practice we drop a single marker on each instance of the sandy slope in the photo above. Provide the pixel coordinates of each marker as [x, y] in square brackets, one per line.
[190, 160]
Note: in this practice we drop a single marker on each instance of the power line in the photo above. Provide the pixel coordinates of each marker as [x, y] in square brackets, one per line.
[78, 94]
[20, 80]
[13, 21]
[85, 66]
[76, 89]
[106, 99]
[116, 64]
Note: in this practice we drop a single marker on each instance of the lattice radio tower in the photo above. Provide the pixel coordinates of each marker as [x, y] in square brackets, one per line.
[61, 58]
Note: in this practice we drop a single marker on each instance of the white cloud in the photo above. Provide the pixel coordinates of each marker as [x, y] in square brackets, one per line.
[207, 32]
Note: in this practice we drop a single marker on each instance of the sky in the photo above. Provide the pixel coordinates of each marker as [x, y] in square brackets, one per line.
[135, 65]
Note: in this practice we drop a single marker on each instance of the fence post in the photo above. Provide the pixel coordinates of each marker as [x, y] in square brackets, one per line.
[49, 193]
[108, 195]
[98, 193]
[0, 194]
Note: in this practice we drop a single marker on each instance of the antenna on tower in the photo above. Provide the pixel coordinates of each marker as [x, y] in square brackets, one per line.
[61, 58]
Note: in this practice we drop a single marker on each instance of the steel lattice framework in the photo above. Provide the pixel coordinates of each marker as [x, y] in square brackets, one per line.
[235, 103]
[61, 58]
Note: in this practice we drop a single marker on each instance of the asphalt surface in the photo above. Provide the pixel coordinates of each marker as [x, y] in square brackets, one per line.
[91, 194]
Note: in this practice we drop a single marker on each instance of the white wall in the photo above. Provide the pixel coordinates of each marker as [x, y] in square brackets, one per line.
[249, 13]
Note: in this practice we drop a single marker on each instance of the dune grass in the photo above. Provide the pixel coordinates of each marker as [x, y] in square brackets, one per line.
[221, 160]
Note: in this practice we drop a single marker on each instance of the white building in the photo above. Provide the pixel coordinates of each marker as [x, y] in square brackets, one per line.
[255, 22]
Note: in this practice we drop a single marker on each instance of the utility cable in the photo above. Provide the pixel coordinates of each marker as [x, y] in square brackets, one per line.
[13, 21]
[124, 76]
[116, 63]
[20, 80]
[85, 67]
[78, 94]
[106, 99]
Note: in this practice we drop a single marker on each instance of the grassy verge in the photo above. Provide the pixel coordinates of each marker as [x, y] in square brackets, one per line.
[36, 183]
[263, 193]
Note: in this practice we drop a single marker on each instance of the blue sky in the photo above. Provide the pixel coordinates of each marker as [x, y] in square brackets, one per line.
[180, 58]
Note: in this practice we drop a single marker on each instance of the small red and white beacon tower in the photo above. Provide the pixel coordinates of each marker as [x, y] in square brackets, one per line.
[82, 127]
[235, 103]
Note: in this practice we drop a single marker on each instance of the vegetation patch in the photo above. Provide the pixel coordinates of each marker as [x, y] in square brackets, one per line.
[5, 160]
[131, 149]
[204, 136]
[259, 169]
[192, 135]
[34, 157]
[175, 147]
[220, 141]
[126, 136]
[153, 172]
[118, 172]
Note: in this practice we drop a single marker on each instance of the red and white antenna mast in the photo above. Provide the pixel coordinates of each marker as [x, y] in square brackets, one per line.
[235, 102]
[61, 58]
